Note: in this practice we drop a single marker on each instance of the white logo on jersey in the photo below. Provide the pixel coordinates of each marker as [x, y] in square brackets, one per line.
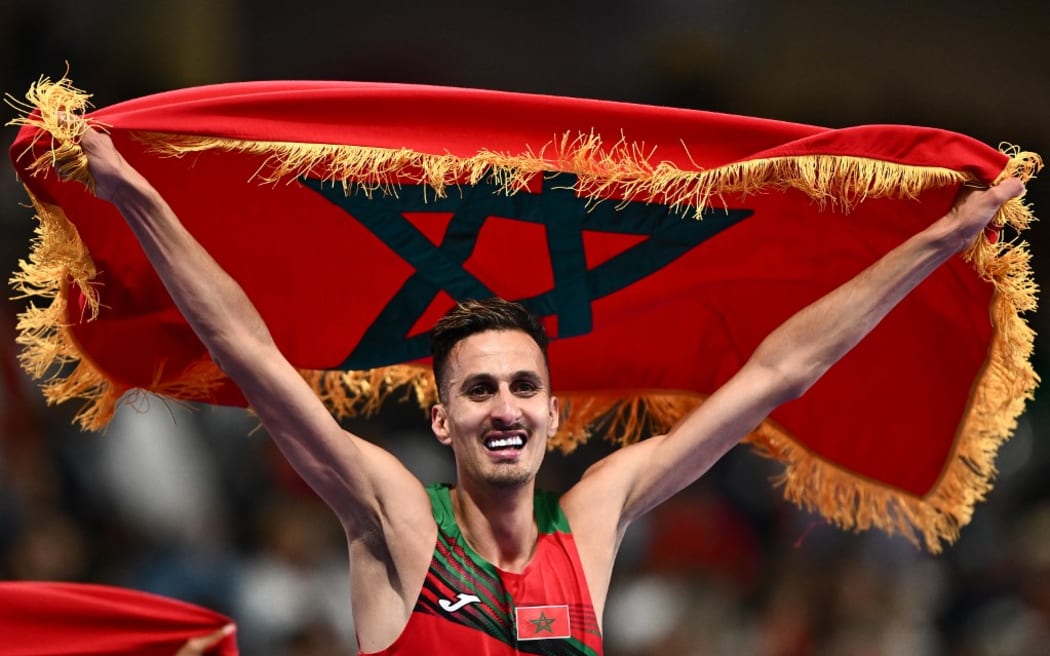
[464, 599]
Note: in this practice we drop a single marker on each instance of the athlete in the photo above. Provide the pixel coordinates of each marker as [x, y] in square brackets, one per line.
[490, 564]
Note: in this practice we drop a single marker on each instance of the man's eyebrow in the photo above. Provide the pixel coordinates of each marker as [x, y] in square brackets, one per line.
[485, 377]
[480, 377]
[531, 374]
[475, 379]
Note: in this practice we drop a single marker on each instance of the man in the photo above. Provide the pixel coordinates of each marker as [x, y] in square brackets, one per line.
[452, 568]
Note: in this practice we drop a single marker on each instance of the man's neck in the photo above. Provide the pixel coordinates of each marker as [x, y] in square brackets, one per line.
[498, 523]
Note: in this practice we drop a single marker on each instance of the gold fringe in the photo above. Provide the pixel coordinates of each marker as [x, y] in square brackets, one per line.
[362, 393]
[625, 417]
[999, 397]
[59, 116]
[630, 416]
[58, 258]
[817, 485]
[622, 170]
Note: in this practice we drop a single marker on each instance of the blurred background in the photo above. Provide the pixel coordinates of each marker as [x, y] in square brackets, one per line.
[196, 504]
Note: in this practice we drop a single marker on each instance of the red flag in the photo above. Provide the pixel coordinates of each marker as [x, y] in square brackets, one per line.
[56, 619]
[660, 246]
[542, 622]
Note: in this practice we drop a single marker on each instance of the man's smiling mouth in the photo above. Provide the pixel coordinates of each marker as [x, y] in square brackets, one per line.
[501, 442]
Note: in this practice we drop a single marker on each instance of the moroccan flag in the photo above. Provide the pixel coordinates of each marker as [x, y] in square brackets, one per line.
[659, 245]
[542, 622]
[40, 618]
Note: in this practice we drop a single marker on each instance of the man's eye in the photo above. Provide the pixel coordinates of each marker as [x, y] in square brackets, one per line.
[525, 387]
[479, 391]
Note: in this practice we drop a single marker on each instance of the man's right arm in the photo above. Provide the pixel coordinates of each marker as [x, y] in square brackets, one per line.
[359, 481]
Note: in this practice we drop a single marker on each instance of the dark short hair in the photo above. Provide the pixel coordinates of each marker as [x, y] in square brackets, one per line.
[476, 316]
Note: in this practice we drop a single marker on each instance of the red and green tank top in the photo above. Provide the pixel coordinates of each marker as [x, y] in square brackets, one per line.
[469, 606]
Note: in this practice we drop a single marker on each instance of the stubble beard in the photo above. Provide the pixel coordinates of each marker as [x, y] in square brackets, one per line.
[508, 476]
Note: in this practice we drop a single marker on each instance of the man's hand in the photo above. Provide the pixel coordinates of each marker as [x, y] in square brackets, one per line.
[201, 644]
[975, 208]
[107, 166]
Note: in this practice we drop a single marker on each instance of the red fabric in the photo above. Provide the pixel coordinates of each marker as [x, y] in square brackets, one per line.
[467, 605]
[888, 412]
[67, 619]
[541, 622]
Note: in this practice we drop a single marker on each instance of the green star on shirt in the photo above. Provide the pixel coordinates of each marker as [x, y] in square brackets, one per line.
[543, 623]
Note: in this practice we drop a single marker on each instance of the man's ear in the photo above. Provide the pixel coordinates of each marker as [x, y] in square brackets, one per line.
[555, 417]
[439, 424]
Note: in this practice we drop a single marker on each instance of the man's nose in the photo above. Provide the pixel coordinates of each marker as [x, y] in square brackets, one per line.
[505, 409]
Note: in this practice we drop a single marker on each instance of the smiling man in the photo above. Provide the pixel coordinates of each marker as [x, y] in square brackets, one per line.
[492, 565]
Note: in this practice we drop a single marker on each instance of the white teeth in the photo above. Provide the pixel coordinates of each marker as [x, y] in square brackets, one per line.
[505, 442]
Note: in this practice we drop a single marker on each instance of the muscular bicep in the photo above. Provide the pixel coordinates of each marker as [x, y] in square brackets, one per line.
[383, 508]
[367, 487]
[621, 487]
[635, 479]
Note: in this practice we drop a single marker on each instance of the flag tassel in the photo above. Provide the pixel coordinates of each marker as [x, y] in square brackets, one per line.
[58, 262]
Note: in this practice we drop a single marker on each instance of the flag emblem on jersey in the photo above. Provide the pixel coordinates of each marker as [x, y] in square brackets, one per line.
[542, 622]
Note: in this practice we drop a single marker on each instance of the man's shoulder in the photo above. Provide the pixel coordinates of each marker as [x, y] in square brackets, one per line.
[550, 518]
[441, 503]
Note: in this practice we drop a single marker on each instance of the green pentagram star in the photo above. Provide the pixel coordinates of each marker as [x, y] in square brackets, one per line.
[564, 215]
[543, 623]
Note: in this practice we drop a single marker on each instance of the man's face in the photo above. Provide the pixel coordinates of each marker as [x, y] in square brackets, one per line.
[498, 411]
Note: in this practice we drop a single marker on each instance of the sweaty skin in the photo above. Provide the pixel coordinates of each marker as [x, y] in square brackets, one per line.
[499, 389]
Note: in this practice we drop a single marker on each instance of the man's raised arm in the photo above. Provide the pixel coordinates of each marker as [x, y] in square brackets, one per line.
[351, 475]
[634, 479]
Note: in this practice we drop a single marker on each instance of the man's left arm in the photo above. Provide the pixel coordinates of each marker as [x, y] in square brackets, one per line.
[789, 360]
